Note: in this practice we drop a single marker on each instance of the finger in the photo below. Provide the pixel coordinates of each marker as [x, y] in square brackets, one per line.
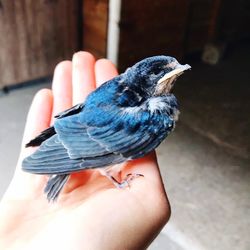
[38, 118]
[104, 70]
[83, 76]
[39, 114]
[62, 87]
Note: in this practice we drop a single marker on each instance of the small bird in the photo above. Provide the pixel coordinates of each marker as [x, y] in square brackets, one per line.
[124, 119]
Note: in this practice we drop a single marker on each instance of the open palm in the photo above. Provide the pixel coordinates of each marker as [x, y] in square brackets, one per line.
[90, 212]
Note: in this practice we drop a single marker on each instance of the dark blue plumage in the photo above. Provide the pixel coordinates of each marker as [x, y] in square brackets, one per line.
[124, 119]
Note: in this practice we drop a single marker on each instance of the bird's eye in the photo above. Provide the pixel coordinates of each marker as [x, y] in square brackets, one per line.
[157, 71]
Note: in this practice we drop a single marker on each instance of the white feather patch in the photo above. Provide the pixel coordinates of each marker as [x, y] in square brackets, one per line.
[156, 104]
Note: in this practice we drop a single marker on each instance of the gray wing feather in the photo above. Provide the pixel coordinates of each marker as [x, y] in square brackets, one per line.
[75, 138]
[52, 158]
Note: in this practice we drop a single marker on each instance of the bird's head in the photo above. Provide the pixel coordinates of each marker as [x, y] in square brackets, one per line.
[157, 74]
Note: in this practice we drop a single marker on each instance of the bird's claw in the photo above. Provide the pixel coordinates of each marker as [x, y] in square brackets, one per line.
[126, 182]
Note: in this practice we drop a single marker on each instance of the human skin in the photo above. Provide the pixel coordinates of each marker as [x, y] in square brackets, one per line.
[90, 212]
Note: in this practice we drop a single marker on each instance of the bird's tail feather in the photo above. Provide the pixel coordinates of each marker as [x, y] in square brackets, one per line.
[55, 185]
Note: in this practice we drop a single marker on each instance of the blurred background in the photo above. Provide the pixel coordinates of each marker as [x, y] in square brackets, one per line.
[205, 162]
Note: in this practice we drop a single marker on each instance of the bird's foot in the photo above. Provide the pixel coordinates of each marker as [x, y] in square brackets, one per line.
[125, 183]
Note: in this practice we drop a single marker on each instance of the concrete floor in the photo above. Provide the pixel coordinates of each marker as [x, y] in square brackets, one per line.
[204, 163]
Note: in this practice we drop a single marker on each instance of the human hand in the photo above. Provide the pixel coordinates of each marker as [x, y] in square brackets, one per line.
[90, 212]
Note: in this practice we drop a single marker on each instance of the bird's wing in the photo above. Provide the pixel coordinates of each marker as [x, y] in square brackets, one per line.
[94, 141]
[43, 136]
[134, 135]
[52, 158]
[47, 133]
[112, 131]
[71, 111]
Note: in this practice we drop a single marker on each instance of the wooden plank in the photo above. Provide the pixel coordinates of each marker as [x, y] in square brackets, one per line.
[95, 20]
[35, 36]
[151, 28]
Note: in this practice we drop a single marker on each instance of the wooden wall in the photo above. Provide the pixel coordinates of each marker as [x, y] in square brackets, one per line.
[95, 22]
[35, 35]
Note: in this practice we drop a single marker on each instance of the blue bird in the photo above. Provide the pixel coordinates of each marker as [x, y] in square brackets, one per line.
[124, 119]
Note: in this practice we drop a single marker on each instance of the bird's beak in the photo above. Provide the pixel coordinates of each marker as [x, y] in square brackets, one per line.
[165, 84]
[179, 69]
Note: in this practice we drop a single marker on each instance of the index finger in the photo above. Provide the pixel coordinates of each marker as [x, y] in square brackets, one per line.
[104, 71]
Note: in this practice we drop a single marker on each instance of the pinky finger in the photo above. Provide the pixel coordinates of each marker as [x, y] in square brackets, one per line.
[39, 116]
